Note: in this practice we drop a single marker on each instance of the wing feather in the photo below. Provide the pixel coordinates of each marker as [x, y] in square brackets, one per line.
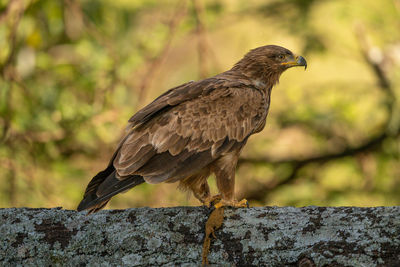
[198, 126]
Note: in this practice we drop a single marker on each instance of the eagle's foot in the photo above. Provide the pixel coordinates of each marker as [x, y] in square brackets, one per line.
[232, 203]
[211, 201]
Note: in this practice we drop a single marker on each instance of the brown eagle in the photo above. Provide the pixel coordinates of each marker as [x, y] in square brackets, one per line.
[193, 130]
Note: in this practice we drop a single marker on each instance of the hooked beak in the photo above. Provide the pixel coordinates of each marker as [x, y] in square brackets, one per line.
[301, 61]
[296, 61]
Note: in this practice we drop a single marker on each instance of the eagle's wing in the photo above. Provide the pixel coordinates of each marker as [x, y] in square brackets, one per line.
[187, 128]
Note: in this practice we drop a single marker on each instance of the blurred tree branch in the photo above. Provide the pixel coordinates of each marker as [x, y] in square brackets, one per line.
[11, 137]
[201, 38]
[156, 62]
[76, 22]
[11, 15]
[205, 51]
[391, 129]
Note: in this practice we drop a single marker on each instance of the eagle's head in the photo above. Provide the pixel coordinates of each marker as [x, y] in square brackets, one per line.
[266, 63]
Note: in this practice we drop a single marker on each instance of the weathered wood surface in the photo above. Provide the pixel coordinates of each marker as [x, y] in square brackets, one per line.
[265, 236]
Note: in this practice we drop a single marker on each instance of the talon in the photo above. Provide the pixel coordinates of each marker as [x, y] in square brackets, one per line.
[212, 201]
[219, 205]
[241, 204]
[215, 199]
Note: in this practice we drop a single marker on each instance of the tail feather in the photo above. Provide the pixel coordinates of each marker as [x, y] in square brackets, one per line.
[104, 186]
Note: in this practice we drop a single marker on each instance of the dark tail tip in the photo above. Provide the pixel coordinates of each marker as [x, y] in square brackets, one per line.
[98, 198]
[92, 204]
[86, 202]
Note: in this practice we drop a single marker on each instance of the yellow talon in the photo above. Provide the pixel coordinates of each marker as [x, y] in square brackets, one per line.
[211, 200]
[219, 205]
[241, 204]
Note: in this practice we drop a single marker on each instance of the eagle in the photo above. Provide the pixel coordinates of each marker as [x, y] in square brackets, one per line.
[194, 130]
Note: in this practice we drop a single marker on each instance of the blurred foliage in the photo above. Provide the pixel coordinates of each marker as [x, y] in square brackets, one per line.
[72, 73]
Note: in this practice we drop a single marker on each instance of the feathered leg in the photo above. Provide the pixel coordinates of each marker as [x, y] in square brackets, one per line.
[198, 185]
[224, 170]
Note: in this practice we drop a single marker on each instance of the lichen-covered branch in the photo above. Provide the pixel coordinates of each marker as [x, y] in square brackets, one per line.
[265, 236]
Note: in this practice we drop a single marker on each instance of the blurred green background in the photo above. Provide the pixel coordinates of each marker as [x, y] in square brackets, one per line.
[73, 72]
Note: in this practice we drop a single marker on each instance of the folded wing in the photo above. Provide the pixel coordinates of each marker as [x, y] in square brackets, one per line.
[177, 140]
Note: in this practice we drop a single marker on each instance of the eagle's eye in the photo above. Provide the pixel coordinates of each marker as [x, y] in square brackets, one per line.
[281, 57]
